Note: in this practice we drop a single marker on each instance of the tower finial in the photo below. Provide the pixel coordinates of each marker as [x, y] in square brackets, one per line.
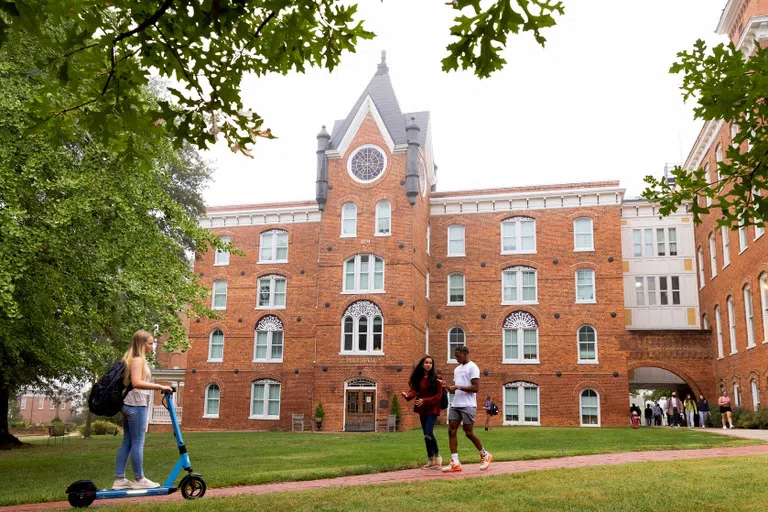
[382, 68]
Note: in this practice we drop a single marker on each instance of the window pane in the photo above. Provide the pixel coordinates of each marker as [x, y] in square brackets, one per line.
[637, 242]
[456, 240]
[383, 217]
[639, 291]
[675, 290]
[378, 276]
[217, 345]
[264, 291]
[348, 334]
[277, 344]
[279, 292]
[527, 241]
[261, 345]
[651, 291]
[660, 242]
[529, 286]
[222, 257]
[585, 290]
[583, 229]
[257, 407]
[349, 275]
[378, 329]
[511, 404]
[266, 247]
[362, 334]
[508, 236]
[649, 242]
[672, 241]
[510, 286]
[364, 272]
[663, 294]
[274, 399]
[529, 344]
[282, 246]
[213, 400]
[531, 404]
[456, 288]
[510, 344]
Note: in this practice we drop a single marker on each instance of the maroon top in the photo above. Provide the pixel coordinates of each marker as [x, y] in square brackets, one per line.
[431, 399]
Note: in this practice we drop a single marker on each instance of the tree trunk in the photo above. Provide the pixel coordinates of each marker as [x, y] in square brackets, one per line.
[7, 440]
[87, 428]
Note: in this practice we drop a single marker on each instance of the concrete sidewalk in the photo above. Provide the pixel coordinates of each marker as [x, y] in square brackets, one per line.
[411, 475]
[761, 435]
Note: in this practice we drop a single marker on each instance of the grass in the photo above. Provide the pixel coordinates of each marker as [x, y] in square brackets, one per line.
[40, 473]
[705, 485]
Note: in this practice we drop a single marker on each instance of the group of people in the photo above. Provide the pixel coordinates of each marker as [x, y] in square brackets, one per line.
[426, 389]
[677, 413]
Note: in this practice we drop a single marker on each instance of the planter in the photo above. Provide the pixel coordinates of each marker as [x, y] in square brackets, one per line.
[318, 423]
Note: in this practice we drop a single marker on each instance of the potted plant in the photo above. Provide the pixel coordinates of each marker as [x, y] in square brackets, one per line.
[394, 410]
[319, 415]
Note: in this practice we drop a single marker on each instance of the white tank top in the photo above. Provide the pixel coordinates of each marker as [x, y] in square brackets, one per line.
[139, 397]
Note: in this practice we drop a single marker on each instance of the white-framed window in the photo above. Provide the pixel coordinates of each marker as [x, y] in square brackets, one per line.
[23, 404]
[719, 155]
[426, 339]
[362, 329]
[219, 295]
[41, 403]
[587, 340]
[428, 237]
[221, 257]
[669, 290]
[743, 244]
[273, 246]
[759, 226]
[521, 338]
[265, 400]
[589, 404]
[216, 346]
[364, 273]
[704, 322]
[583, 235]
[349, 220]
[764, 300]
[456, 240]
[734, 132]
[271, 292]
[456, 290]
[639, 291]
[268, 340]
[712, 255]
[518, 235]
[749, 315]
[519, 285]
[63, 405]
[700, 263]
[651, 290]
[53, 404]
[383, 218]
[736, 395]
[427, 285]
[726, 246]
[212, 401]
[710, 181]
[585, 286]
[731, 324]
[755, 395]
[637, 243]
[456, 339]
[661, 246]
[521, 404]
[719, 328]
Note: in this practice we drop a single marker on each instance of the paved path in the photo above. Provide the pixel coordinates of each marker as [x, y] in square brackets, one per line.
[411, 475]
[761, 435]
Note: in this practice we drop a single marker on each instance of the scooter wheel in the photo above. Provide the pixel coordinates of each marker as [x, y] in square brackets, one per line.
[78, 500]
[192, 487]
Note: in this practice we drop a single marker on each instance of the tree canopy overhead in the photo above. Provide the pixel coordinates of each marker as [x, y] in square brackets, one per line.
[108, 50]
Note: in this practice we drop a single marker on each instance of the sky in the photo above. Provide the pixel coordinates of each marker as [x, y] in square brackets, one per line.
[597, 103]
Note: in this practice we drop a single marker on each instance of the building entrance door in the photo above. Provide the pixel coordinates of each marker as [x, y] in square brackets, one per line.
[360, 411]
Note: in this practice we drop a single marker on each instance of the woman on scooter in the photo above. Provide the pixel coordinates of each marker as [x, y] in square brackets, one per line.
[134, 411]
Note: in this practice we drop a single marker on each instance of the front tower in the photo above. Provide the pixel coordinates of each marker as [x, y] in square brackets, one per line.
[372, 257]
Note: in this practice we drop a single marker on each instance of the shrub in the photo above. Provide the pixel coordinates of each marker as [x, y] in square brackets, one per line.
[100, 428]
[395, 407]
[319, 412]
[740, 417]
[19, 424]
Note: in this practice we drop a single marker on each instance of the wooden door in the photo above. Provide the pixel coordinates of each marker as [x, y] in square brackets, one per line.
[360, 410]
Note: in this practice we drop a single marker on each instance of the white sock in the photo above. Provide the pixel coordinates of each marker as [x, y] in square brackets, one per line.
[455, 458]
[483, 452]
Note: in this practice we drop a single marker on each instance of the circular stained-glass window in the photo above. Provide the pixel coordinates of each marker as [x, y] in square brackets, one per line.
[367, 163]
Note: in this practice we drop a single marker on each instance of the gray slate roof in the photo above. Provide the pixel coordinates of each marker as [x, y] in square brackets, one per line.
[383, 95]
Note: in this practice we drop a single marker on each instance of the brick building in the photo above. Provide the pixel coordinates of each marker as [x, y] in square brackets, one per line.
[40, 409]
[733, 275]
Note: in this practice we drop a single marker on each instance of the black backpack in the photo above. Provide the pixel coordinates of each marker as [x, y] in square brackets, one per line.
[444, 400]
[493, 410]
[107, 395]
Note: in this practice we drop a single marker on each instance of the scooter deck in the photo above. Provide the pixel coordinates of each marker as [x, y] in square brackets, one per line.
[106, 494]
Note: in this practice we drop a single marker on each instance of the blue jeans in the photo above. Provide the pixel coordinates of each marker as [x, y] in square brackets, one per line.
[134, 424]
[427, 424]
[703, 418]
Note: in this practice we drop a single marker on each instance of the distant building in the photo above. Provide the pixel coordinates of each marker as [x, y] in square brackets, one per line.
[39, 409]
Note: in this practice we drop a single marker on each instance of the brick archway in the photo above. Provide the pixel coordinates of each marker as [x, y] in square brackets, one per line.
[695, 387]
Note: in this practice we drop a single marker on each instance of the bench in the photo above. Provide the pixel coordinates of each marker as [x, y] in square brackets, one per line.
[297, 420]
[55, 431]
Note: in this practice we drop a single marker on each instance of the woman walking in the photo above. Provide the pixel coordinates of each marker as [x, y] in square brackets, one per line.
[703, 406]
[725, 409]
[488, 412]
[427, 391]
[134, 413]
[690, 410]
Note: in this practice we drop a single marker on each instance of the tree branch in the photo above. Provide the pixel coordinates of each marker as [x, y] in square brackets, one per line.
[146, 23]
[255, 35]
[78, 50]
[62, 112]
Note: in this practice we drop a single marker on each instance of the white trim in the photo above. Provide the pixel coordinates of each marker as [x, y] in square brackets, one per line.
[518, 221]
[581, 407]
[727, 16]
[372, 314]
[719, 332]
[731, 323]
[576, 285]
[591, 248]
[224, 255]
[463, 290]
[518, 385]
[341, 233]
[205, 401]
[450, 352]
[596, 360]
[520, 346]
[273, 279]
[269, 347]
[267, 383]
[755, 30]
[463, 240]
[371, 275]
[763, 283]
[274, 234]
[749, 315]
[210, 344]
[706, 138]
[355, 152]
[366, 106]
[213, 295]
[347, 387]
[517, 271]
[260, 217]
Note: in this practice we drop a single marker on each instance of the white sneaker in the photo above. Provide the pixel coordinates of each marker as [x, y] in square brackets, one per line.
[144, 483]
[121, 484]
[725, 428]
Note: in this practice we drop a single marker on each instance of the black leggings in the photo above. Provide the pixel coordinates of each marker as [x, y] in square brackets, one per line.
[427, 424]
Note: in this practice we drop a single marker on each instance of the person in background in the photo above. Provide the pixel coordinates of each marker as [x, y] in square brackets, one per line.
[663, 404]
[427, 390]
[703, 406]
[690, 410]
[488, 412]
[656, 414]
[648, 414]
[725, 409]
[674, 408]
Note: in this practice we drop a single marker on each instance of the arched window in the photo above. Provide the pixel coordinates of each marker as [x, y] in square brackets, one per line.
[764, 300]
[521, 403]
[362, 329]
[456, 290]
[587, 336]
[704, 321]
[273, 246]
[383, 218]
[364, 273]
[348, 220]
[518, 235]
[268, 340]
[519, 285]
[749, 315]
[221, 258]
[731, 324]
[521, 338]
[585, 286]
[456, 339]
[216, 346]
[755, 395]
[212, 399]
[583, 238]
[700, 263]
[719, 328]
[590, 408]
[271, 292]
[712, 256]
[265, 400]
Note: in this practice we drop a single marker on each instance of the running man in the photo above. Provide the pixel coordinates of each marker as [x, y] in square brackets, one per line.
[466, 378]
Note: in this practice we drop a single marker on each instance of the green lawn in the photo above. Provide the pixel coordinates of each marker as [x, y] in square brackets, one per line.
[41, 473]
[705, 485]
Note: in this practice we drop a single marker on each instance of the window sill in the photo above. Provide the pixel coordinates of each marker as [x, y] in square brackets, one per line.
[363, 292]
[452, 361]
[590, 249]
[211, 416]
[267, 361]
[507, 303]
[269, 262]
[221, 264]
[726, 265]
[215, 361]
[719, 358]
[590, 426]
[744, 249]
[521, 424]
[380, 353]
[527, 361]
[733, 353]
[751, 346]
[513, 253]
[588, 362]
[382, 234]
[586, 302]
[270, 307]
[758, 236]
[219, 309]
[452, 304]
[270, 418]
[456, 255]
[765, 341]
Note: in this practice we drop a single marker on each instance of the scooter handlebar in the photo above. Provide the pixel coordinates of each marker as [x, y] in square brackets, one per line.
[166, 392]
